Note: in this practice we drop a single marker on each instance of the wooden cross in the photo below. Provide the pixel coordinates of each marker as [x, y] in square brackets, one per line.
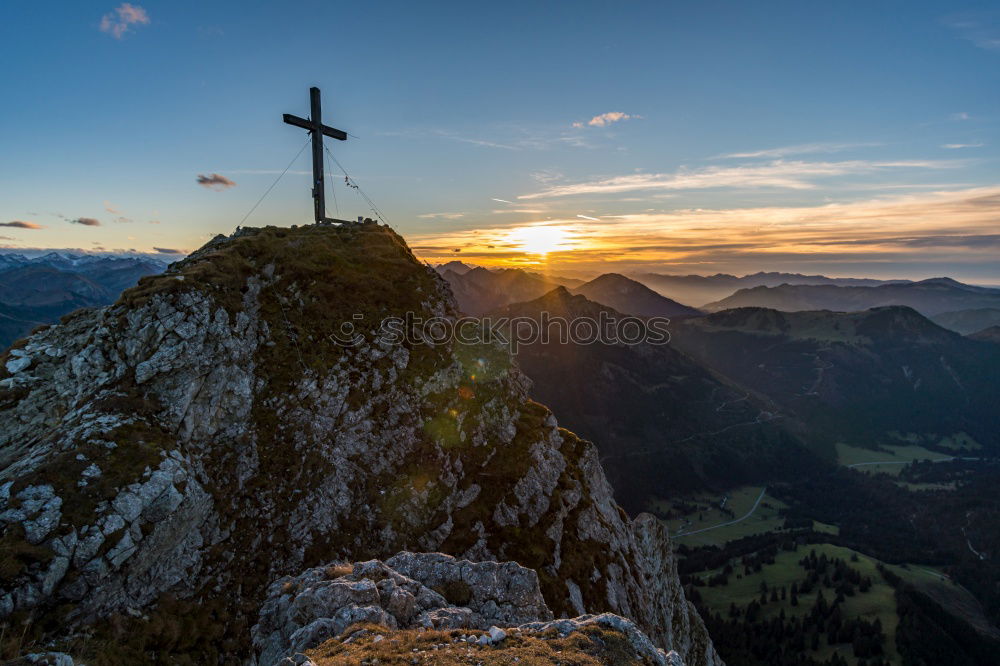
[317, 129]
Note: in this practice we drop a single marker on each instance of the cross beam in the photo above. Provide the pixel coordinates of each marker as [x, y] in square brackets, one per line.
[317, 129]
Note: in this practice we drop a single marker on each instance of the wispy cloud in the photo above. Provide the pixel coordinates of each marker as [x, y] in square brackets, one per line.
[167, 250]
[794, 175]
[441, 216]
[215, 181]
[605, 119]
[961, 115]
[120, 21]
[486, 143]
[980, 28]
[503, 138]
[269, 172]
[111, 208]
[86, 221]
[956, 146]
[800, 149]
[954, 227]
[21, 224]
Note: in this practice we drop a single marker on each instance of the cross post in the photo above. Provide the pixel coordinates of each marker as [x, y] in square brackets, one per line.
[317, 129]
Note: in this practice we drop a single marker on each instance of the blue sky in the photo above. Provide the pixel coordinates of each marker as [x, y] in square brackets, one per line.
[844, 138]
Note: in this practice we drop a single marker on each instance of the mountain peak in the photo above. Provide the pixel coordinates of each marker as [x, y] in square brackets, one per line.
[219, 427]
[631, 297]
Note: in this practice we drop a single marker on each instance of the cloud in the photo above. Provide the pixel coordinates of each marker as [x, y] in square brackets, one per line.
[110, 207]
[19, 224]
[605, 119]
[510, 138]
[168, 250]
[215, 181]
[269, 172]
[86, 221]
[956, 146]
[793, 175]
[800, 149]
[980, 28]
[546, 176]
[443, 216]
[949, 230]
[961, 115]
[119, 21]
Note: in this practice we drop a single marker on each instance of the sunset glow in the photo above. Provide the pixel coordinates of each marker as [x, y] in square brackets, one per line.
[540, 239]
[807, 160]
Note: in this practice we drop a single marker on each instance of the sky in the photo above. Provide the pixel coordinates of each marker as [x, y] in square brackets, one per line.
[847, 138]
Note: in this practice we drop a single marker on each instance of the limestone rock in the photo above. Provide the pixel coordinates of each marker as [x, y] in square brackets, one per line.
[304, 611]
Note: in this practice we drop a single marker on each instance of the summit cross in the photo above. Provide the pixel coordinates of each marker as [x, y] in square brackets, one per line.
[317, 129]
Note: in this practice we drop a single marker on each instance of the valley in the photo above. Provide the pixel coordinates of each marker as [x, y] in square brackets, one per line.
[881, 402]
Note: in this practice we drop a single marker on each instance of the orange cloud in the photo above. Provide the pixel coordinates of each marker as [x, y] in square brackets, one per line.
[119, 21]
[947, 226]
[19, 224]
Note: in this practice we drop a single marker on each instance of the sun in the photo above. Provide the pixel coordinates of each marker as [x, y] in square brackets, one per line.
[541, 239]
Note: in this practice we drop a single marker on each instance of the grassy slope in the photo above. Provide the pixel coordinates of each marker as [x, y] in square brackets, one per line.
[878, 602]
[702, 511]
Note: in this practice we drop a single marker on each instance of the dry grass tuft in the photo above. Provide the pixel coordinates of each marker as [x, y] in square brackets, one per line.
[591, 647]
[338, 570]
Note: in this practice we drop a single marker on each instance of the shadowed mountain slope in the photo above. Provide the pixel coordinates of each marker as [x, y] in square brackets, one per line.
[991, 334]
[866, 378]
[665, 425]
[968, 321]
[480, 290]
[631, 297]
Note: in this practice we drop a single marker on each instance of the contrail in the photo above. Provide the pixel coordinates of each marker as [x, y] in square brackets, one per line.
[587, 217]
[501, 200]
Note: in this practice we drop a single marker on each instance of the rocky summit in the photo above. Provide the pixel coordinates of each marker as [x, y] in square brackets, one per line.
[167, 458]
[449, 609]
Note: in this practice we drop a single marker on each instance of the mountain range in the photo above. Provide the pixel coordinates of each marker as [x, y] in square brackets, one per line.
[38, 290]
[866, 378]
[929, 297]
[479, 290]
[700, 289]
[631, 297]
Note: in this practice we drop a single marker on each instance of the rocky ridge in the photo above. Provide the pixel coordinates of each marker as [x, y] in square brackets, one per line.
[165, 458]
[425, 591]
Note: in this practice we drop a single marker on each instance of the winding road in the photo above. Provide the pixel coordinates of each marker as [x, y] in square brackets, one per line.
[731, 522]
